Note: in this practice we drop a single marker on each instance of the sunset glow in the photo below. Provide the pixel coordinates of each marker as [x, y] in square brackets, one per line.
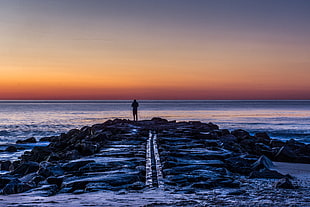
[101, 49]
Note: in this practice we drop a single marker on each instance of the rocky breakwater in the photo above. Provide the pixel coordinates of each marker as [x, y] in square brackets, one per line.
[113, 156]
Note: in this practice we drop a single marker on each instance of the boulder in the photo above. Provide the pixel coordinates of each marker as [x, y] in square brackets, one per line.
[29, 140]
[240, 134]
[285, 183]
[262, 163]
[76, 165]
[55, 180]
[239, 165]
[11, 149]
[15, 187]
[263, 137]
[37, 154]
[285, 154]
[5, 180]
[5, 165]
[26, 168]
[136, 186]
[87, 148]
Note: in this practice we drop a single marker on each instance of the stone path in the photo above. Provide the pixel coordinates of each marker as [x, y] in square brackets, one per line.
[154, 176]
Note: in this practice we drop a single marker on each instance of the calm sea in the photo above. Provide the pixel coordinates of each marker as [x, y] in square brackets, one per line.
[281, 119]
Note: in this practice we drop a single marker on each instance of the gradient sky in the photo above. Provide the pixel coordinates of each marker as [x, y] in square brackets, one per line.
[155, 49]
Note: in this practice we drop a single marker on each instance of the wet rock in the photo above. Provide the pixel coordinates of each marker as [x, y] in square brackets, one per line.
[203, 185]
[239, 165]
[5, 180]
[237, 192]
[76, 165]
[285, 183]
[136, 186]
[14, 165]
[87, 148]
[99, 138]
[266, 173]
[262, 162]
[29, 140]
[240, 134]
[11, 149]
[5, 165]
[28, 177]
[26, 168]
[55, 180]
[47, 169]
[263, 137]
[70, 155]
[37, 179]
[37, 154]
[49, 139]
[46, 190]
[285, 154]
[276, 143]
[97, 167]
[14, 187]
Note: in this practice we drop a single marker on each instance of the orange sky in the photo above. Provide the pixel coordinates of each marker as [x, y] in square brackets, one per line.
[85, 51]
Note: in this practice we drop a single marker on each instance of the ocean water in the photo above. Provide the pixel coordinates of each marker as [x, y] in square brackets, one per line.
[280, 119]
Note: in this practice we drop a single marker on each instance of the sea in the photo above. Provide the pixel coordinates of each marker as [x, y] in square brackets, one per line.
[281, 119]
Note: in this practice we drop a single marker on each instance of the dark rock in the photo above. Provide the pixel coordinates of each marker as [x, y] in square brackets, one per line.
[50, 139]
[87, 148]
[239, 165]
[224, 132]
[37, 154]
[263, 137]
[285, 154]
[11, 149]
[276, 143]
[266, 173]
[14, 165]
[262, 163]
[240, 134]
[15, 187]
[44, 172]
[136, 186]
[47, 169]
[46, 190]
[230, 142]
[99, 138]
[55, 180]
[70, 155]
[262, 149]
[96, 167]
[5, 165]
[28, 177]
[26, 168]
[158, 120]
[203, 185]
[237, 192]
[75, 166]
[285, 183]
[29, 140]
[36, 179]
[5, 180]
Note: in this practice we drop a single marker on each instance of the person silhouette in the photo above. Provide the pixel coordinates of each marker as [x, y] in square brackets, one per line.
[135, 106]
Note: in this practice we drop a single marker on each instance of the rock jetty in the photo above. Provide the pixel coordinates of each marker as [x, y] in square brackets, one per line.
[126, 156]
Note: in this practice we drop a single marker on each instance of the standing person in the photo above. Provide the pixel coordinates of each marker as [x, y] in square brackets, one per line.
[135, 106]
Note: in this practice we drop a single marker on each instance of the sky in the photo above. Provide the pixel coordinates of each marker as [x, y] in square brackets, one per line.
[155, 49]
